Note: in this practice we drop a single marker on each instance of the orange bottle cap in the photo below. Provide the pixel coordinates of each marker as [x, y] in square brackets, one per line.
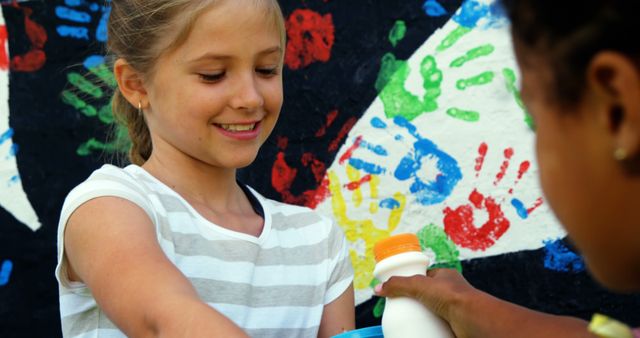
[396, 244]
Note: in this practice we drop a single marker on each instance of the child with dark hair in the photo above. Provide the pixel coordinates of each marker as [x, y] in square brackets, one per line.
[580, 68]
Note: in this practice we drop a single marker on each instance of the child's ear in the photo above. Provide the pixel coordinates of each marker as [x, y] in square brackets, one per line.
[615, 79]
[130, 83]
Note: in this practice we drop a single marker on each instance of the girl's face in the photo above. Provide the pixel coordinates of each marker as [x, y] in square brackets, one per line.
[217, 97]
[582, 182]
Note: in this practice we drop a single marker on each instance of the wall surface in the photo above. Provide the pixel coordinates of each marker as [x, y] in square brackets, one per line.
[399, 116]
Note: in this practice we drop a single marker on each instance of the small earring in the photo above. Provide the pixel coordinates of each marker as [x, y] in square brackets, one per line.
[139, 107]
[620, 154]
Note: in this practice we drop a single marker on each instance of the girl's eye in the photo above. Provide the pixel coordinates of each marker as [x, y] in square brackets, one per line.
[268, 71]
[212, 77]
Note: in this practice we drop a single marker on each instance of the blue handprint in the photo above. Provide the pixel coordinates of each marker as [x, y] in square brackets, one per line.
[79, 12]
[427, 191]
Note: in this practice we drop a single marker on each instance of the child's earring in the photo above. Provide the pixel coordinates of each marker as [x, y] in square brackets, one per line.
[139, 108]
[620, 154]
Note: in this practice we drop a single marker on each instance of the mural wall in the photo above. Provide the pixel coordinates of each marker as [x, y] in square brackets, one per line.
[398, 117]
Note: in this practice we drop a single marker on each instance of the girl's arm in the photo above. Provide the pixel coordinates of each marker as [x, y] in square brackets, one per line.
[339, 315]
[473, 313]
[111, 246]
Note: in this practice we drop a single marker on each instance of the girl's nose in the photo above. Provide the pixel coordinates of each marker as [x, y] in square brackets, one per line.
[247, 95]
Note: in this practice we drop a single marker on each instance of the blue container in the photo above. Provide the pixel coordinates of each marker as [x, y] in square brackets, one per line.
[366, 332]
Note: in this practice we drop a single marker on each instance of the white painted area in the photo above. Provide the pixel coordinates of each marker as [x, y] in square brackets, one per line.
[12, 196]
[501, 125]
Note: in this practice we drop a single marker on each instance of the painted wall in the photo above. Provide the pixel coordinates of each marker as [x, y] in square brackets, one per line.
[398, 117]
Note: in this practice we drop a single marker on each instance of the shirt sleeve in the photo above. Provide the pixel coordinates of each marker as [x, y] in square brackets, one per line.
[341, 271]
[103, 182]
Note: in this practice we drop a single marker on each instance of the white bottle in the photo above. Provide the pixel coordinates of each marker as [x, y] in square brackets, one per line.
[404, 317]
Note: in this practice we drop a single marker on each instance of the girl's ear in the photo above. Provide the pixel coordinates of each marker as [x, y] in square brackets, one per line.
[615, 79]
[130, 83]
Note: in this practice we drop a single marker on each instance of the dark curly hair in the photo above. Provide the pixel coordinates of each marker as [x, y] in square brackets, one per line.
[568, 34]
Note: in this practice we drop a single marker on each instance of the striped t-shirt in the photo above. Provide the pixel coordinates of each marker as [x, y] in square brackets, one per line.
[274, 285]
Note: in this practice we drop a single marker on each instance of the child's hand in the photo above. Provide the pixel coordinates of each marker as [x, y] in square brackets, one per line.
[442, 291]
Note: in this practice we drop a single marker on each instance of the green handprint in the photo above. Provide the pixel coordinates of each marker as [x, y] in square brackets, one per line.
[89, 92]
[510, 78]
[472, 54]
[452, 38]
[435, 239]
[398, 101]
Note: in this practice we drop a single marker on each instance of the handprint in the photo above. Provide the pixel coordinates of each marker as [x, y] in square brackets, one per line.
[429, 187]
[89, 89]
[363, 232]
[446, 255]
[310, 38]
[510, 80]
[558, 257]
[283, 175]
[35, 57]
[80, 13]
[459, 223]
[86, 94]
[393, 79]
[397, 100]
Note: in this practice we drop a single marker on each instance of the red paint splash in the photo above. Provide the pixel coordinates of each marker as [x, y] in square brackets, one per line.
[310, 38]
[356, 185]
[524, 167]
[283, 142]
[482, 150]
[346, 128]
[35, 58]
[283, 176]
[508, 153]
[4, 55]
[317, 167]
[535, 205]
[330, 118]
[349, 153]
[459, 224]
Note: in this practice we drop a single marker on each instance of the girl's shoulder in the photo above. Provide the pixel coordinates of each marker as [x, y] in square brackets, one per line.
[108, 180]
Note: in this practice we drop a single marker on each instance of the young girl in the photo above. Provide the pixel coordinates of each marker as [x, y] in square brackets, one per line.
[581, 83]
[172, 245]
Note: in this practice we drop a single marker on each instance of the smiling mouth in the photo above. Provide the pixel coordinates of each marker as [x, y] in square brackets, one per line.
[235, 128]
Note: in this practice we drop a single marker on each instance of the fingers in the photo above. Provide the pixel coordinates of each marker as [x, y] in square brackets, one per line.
[442, 272]
[414, 286]
[402, 286]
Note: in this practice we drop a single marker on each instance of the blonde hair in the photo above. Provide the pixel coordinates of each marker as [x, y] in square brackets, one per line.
[138, 31]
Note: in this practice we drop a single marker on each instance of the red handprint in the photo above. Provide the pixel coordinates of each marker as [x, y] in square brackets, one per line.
[283, 175]
[35, 58]
[311, 37]
[459, 223]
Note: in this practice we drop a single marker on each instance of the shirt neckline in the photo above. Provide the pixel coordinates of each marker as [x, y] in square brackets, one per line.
[266, 228]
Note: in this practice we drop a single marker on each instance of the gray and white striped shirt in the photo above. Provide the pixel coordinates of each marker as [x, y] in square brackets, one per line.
[274, 285]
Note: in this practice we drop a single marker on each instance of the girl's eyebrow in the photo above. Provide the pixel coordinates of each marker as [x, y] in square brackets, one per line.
[275, 49]
[218, 57]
